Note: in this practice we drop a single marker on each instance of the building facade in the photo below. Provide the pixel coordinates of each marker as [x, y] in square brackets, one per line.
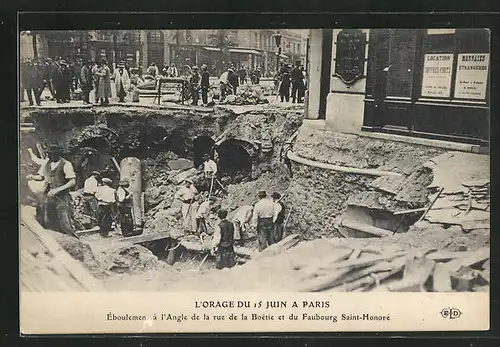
[430, 83]
[253, 49]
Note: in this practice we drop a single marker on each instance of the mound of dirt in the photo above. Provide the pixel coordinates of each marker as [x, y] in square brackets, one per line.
[81, 252]
[130, 259]
[361, 152]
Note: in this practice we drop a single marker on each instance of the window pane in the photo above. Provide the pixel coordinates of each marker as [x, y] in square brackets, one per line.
[401, 61]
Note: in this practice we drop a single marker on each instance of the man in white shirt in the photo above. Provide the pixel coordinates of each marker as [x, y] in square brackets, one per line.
[264, 216]
[89, 189]
[202, 215]
[209, 167]
[186, 195]
[241, 221]
[56, 209]
[105, 196]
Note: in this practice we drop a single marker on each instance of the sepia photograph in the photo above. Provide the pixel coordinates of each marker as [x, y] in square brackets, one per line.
[311, 161]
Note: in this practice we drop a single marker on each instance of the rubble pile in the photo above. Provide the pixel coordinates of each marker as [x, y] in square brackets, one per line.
[247, 95]
[81, 215]
[398, 270]
[129, 259]
[464, 196]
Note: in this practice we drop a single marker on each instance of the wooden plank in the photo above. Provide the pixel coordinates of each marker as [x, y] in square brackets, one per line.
[416, 273]
[326, 263]
[75, 268]
[410, 211]
[430, 205]
[368, 260]
[441, 278]
[369, 229]
[93, 230]
[280, 247]
[355, 254]
[471, 259]
[448, 255]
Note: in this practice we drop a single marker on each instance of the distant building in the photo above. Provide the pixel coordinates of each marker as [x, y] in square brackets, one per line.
[429, 83]
[253, 49]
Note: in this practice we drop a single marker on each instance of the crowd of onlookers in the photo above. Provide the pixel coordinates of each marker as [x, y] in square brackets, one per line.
[64, 76]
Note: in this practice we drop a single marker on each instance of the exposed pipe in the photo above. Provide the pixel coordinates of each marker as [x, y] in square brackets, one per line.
[344, 169]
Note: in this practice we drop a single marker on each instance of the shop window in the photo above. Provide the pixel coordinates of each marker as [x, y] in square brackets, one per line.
[401, 63]
[155, 37]
[473, 60]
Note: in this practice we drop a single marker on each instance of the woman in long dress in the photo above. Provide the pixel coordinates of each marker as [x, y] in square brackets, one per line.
[104, 90]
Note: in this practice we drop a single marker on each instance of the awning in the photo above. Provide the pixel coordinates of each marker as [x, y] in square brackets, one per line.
[243, 50]
[213, 49]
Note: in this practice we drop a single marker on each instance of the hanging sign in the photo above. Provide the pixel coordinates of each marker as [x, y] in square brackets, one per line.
[436, 81]
[472, 76]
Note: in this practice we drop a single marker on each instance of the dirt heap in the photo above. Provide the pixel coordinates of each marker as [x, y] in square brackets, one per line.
[247, 95]
[81, 252]
[129, 259]
[464, 182]
[328, 193]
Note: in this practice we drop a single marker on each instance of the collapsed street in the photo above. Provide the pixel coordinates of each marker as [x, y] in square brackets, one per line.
[357, 208]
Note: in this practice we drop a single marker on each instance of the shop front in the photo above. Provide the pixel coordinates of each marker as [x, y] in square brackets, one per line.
[430, 83]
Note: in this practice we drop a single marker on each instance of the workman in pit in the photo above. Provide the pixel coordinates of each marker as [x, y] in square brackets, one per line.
[186, 195]
[279, 227]
[210, 172]
[124, 204]
[202, 215]
[56, 209]
[241, 221]
[223, 242]
[89, 189]
[105, 196]
[265, 214]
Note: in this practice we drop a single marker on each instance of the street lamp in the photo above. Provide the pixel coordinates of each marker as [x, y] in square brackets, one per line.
[277, 40]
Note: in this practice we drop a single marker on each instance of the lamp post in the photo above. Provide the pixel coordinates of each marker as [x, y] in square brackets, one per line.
[277, 40]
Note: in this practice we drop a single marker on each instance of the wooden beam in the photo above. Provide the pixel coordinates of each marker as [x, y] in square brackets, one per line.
[369, 229]
[410, 211]
[75, 268]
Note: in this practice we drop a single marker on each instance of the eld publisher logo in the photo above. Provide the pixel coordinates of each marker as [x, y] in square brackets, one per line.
[451, 313]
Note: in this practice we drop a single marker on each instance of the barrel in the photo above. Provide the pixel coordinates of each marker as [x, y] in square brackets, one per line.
[130, 170]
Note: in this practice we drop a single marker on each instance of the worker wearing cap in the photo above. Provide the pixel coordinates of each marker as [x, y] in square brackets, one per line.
[280, 218]
[105, 196]
[89, 189]
[194, 82]
[202, 215]
[186, 195]
[124, 203]
[241, 221]
[204, 84]
[264, 216]
[60, 177]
